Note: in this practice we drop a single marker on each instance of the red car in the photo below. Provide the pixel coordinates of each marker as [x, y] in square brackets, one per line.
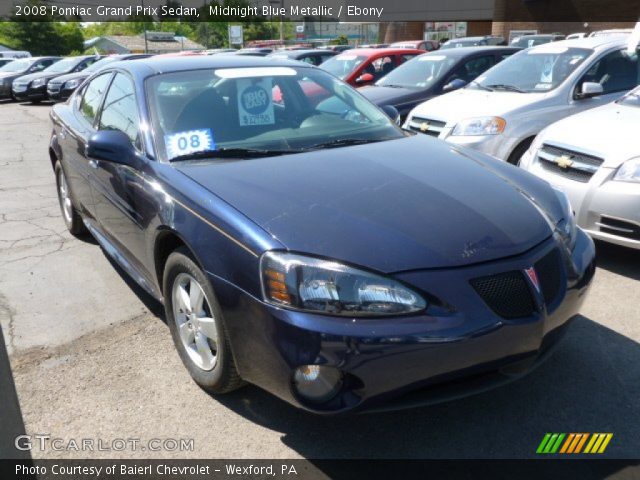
[426, 45]
[364, 66]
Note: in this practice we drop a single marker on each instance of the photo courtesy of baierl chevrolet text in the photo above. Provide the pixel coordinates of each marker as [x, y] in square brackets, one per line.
[319, 239]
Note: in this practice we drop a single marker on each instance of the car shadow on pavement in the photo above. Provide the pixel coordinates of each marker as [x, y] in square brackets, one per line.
[621, 260]
[590, 384]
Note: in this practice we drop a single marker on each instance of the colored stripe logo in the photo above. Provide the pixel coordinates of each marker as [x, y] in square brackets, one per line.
[574, 443]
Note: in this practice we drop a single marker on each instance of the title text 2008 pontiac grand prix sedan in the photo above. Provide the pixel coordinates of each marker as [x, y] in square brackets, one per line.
[302, 242]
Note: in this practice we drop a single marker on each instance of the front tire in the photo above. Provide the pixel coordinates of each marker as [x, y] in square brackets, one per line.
[195, 320]
[70, 215]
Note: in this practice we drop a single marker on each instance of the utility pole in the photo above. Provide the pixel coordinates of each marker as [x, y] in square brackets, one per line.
[144, 25]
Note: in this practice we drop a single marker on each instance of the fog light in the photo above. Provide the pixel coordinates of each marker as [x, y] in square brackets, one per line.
[317, 383]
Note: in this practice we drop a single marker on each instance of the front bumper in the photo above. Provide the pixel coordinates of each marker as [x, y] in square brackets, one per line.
[405, 361]
[30, 93]
[607, 210]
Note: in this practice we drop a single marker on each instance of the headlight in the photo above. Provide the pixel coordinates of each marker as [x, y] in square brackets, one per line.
[72, 83]
[323, 286]
[629, 171]
[480, 126]
[566, 226]
[37, 83]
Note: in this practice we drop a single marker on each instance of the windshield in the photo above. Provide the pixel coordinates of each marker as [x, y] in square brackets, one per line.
[342, 65]
[421, 72]
[16, 66]
[631, 99]
[259, 110]
[536, 70]
[94, 67]
[62, 66]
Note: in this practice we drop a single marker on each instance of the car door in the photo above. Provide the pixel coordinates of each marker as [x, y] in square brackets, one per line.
[74, 137]
[123, 207]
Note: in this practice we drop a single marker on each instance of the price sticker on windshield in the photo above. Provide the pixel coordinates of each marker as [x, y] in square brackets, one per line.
[191, 141]
[255, 103]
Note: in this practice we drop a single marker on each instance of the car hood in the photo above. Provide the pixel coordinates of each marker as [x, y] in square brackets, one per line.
[392, 95]
[71, 76]
[433, 206]
[472, 102]
[608, 132]
[46, 75]
[10, 74]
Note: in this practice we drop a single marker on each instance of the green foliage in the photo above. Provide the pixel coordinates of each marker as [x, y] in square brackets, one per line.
[340, 40]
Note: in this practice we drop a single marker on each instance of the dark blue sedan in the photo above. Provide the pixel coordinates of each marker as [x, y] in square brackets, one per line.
[329, 258]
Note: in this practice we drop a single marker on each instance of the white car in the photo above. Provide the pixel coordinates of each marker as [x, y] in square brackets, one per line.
[502, 111]
[594, 157]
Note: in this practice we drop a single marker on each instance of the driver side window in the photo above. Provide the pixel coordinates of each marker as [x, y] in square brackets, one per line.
[120, 110]
[92, 97]
[616, 72]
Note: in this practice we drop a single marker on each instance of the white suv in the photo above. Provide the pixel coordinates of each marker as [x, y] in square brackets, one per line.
[502, 111]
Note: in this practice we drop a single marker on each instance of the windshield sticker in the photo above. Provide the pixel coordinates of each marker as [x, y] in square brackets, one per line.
[252, 72]
[547, 70]
[543, 86]
[255, 105]
[191, 141]
[546, 49]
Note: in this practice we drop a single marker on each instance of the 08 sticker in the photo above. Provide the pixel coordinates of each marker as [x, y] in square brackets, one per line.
[191, 141]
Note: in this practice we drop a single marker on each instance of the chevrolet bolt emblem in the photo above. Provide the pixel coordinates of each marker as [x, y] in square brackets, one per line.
[424, 126]
[564, 161]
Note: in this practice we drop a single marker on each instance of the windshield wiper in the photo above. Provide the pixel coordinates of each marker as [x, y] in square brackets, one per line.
[341, 142]
[232, 153]
[509, 88]
[480, 86]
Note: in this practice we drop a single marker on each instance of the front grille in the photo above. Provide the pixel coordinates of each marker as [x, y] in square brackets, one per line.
[620, 228]
[54, 87]
[549, 272]
[507, 294]
[579, 167]
[426, 126]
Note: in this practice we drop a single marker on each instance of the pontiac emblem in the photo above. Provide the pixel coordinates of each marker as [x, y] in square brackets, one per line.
[533, 277]
[424, 126]
[564, 161]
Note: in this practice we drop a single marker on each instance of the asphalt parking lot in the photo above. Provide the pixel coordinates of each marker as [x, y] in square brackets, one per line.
[92, 357]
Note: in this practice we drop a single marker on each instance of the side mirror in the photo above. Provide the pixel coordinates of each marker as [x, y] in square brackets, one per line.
[454, 84]
[365, 78]
[111, 146]
[590, 89]
[392, 113]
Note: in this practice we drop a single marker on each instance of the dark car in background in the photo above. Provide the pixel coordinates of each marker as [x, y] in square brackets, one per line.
[527, 41]
[311, 56]
[19, 68]
[60, 88]
[33, 87]
[337, 48]
[363, 66]
[433, 74]
[4, 61]
[334, 260]
[487, 40]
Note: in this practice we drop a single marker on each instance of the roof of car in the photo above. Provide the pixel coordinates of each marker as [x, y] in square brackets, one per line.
[464, 51]
[155, 65]
[590, 42]
[293, 53]
[378, 51]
